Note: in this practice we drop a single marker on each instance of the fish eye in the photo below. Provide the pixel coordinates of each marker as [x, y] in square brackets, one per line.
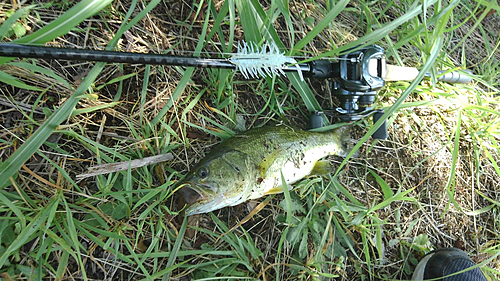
[203, 172]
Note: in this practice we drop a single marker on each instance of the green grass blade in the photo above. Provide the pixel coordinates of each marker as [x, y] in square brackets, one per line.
[98, 241]
[117, 79]
[26, 234]
[176, 247]
[379, 33]
[219, 18]
[7, 24]
[93, 108]
[344, 236]
[11, 80]
[256, 23]
[491, 5]
[45, 71]
[63, 172]
[61, 242]
[136, 258]
[253, 20]
[450, 185]
[280, 250]
[386, 189]
[186, 77]
[14, 162]
[129, 183]
[168, 270]
[288, 200]
[8, 203]
[66, 22]
[324, 237]
[61, 268]
[336, 183]
[144, 91]
[324, 23]
[74, 238]
[284, 8]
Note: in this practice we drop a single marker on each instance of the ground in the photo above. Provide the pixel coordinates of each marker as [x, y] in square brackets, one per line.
[433, 183]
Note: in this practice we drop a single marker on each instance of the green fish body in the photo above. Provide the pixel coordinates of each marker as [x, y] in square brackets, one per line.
[250, 164]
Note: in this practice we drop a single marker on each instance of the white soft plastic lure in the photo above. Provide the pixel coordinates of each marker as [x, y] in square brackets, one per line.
[254, 61]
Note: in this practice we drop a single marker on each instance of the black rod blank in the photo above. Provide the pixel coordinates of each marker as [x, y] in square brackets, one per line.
[25, 51]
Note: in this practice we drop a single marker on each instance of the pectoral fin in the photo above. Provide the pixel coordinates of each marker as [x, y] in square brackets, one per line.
[322, 167]
[274, 190]
[267, 162]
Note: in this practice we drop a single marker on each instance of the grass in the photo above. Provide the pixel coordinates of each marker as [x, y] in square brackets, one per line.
[432, 184]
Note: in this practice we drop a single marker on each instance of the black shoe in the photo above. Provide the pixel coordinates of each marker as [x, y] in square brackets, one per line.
[443, 262]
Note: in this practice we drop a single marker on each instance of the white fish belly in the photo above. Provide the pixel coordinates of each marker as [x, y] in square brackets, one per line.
[295, 168]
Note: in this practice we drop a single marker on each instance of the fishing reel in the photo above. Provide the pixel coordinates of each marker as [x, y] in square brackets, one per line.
[357, 77]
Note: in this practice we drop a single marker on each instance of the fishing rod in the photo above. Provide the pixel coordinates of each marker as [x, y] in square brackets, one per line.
[357, 75]
[39, 52]
[248, 56]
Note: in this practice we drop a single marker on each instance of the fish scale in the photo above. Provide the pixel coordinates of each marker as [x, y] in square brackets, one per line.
[249, 165]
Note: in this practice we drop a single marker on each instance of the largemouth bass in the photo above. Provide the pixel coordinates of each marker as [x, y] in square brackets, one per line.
[249, 165]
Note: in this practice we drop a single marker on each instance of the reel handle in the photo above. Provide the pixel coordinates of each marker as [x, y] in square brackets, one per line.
[315, 120]
[381, 133]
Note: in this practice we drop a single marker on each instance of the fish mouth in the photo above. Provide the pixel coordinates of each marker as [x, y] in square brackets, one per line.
[199, 198]
[194, 193]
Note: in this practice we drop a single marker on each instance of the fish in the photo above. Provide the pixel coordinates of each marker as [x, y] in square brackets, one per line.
[250, 165]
